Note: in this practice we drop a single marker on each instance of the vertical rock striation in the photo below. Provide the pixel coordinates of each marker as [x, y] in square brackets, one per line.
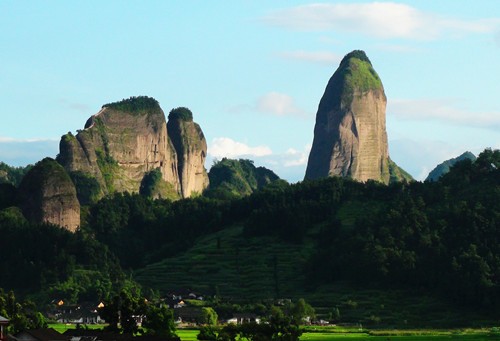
[350, 137]
[191, 147]
[47, 194]
[127, 140]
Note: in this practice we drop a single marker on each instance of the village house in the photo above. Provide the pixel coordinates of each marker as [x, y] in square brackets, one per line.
[3, 328]
[46, 334]
[240, 318]
[86, 313]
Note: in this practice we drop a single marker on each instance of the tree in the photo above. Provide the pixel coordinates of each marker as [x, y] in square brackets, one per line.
[160, 321]
[22, 315]
[302, 311]
[120, 311]
[209, 316]
[207, 333]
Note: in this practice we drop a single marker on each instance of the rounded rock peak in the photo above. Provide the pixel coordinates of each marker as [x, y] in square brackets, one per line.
[358, 54]
[180, 113]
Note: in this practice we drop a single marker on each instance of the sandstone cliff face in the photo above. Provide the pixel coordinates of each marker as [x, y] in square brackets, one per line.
[350, 137]
[47, 194]
[122, 143]
[191, 147]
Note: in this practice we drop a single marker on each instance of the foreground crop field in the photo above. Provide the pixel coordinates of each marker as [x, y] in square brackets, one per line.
[473, 335]
[351, 335]
[367, 337]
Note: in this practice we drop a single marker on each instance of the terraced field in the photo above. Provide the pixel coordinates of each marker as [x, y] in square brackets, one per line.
[247, 269]
[229, 265]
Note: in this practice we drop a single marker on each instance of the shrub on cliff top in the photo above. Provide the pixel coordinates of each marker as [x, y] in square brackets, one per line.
[134, 104]
[359, 54]
[181, 113]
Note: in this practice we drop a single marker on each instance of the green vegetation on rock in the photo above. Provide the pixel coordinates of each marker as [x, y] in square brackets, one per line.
[153, 186]
[180, 113]
[236, 178]
[397, 174]
[136, 105]
[109, 168]
[357, 75]
[87, 187]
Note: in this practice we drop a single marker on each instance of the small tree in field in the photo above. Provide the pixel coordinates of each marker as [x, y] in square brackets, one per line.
[209, 316]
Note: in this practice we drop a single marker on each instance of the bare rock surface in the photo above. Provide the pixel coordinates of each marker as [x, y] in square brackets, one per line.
[350, 137]
[125, 141]
[47, 194]
[191, 147]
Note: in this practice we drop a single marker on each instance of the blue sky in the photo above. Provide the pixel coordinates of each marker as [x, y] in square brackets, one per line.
[252, 72]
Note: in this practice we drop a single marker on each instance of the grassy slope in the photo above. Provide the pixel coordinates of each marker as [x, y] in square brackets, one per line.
[231, 265]
[242, 269]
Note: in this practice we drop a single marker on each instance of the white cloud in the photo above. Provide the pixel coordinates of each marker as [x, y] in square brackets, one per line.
[380, 19]
[294, 157]
[226, 147]
[274, 103]
[441, 110]
[321, 57]
[279, 104]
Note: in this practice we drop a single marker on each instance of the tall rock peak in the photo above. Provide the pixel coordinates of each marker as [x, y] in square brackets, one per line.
[350, 137]
[120, 145]
[191, 147]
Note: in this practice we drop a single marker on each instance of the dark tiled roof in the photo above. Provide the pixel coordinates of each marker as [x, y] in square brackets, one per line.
[47, 334]
[3, 319]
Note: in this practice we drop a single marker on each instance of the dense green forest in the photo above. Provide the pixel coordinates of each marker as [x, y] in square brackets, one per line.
[438, 239]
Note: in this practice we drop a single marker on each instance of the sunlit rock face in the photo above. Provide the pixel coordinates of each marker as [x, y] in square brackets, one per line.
[350, 137]
[124, 142]
[191, 147]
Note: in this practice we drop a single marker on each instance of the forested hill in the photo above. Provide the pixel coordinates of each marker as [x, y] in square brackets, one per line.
[438, 240]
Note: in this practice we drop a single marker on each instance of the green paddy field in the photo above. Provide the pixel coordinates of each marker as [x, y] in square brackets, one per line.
[337, 334]
[388, 335]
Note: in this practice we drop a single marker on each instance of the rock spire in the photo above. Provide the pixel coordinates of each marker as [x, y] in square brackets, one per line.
[350, 137]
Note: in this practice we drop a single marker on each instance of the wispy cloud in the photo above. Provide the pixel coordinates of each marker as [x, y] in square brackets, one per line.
[294, 157]
[279, 104]
[20, 152]
[5, 139]
[227, 147]
[273, 103]
[441, 110]
[384, 20]
[398, 48]
[79, 107]
[319, 57]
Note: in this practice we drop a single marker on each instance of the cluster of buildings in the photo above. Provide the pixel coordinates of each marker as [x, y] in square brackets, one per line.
[79, 334]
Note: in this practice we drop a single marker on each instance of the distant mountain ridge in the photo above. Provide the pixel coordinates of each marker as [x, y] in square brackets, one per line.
[445, 166]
